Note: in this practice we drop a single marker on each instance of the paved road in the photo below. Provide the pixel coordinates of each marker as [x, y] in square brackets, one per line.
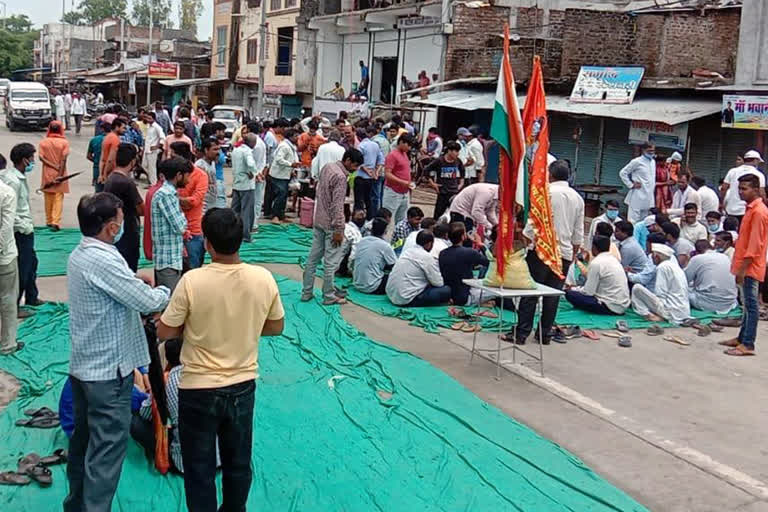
[680, 429]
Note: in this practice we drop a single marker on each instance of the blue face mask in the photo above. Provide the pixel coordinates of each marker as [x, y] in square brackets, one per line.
[713, 228]
[720, 249]
[30, 167]
[649, 156]
[119, 234]
[612, 214]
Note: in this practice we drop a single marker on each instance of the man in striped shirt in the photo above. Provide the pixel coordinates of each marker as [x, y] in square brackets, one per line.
[168, 222]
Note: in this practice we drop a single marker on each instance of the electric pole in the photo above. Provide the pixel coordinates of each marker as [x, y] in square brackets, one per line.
[149, 57]
[262, 58]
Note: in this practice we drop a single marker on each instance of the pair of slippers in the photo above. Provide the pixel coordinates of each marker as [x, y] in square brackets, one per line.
[466, 327]
[34, 467]
[39, 418]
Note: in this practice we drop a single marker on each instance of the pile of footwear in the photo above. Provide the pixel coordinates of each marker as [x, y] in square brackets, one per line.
[34, 467]
[39, 418]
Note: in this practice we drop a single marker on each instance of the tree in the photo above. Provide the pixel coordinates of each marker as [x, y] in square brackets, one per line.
[161, 13]
[17, 24]
[16, 50]
[73, 18]
[189, 11]
[94, 11]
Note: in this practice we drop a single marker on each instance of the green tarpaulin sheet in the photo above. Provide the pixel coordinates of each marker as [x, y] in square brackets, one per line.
[342, 423]
[290, 244]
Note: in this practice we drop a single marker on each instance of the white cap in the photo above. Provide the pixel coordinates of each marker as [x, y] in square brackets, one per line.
[676, 156]
[663, 249]
[753, 155]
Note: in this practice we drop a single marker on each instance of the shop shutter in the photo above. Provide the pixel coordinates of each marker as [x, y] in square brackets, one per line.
[562, 144]
[735, 142]
[704, 161]
[617, 152]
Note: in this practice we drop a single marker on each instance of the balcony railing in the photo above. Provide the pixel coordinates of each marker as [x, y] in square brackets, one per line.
[284, 69]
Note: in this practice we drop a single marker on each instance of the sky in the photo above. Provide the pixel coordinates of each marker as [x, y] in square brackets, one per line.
[40, 12]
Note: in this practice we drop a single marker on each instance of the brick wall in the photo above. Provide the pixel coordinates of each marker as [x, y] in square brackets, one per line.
[475, 47]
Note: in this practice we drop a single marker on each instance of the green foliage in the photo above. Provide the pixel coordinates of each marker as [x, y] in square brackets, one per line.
[17, 24]
[161, 13]
[189, 11]
[16, 48]
[74, 18]
[97, 10]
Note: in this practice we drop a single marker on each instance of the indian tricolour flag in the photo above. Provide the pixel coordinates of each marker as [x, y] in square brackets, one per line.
[507, 130]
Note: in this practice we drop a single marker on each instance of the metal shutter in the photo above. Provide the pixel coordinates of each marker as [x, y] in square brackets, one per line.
[563, 146]
[617, 152]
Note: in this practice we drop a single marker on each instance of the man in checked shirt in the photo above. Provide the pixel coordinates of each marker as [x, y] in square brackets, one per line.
[107, 343]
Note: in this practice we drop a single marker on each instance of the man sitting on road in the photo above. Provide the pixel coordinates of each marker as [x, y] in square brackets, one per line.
[609, 216]
[712, 286]
[407, 226]
[647, 276]
[632, 255]
[605, 291]
[724, 244]
[670, 299]
[682, 246]
[690, 228]
[374, 256]
[415, 280]
[458, 263]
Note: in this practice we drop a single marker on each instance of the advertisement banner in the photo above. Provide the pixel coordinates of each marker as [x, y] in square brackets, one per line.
[164, 70]
[744, 111]
[661, 134]
[599, 84]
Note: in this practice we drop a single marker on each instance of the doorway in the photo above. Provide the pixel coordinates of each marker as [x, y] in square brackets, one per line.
[384, 83]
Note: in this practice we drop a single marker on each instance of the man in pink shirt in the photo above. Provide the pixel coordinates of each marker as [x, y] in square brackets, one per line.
[476, 205]
[176, 136]
[398, 185]
[191, 199]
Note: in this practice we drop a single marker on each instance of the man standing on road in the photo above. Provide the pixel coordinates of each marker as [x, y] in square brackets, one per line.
[284, 165]
[244, 172]
[153, 145]
[397, 187]
[23, 159]
[107, 343]
[121, 184]
[94, 156]
[368, 173]
[222, 309]
[53, 152]
[260, 157]
[733, 205]
[9, 270]
[639, 175]
[329, 226]
[446, 177]
[207, 164]
[79, 109]
[749, 263]
[168, 223]
[191, 199]
[109, 148]
[68, 110]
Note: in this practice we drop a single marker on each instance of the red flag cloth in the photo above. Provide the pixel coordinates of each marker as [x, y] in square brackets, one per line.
[536, 127]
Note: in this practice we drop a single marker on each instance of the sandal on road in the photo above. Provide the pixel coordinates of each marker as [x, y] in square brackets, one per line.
[39, 422]
[739, 351]
[677, 339]
[655, 330]
[40, 474]
[471, 327]
[42, 411]
[13, 478]
[622, 326]
[704, 330]
[727, 322]
[486, 313]
[590, 334]
[458, 326]
[335, 301]
[729, 343]
[58, 457]
[613, 334]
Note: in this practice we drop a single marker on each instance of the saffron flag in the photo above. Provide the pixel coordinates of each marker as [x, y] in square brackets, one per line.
[507, 130]
[536, 127]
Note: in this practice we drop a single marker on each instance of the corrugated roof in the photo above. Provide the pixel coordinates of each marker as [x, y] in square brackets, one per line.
[661, 109]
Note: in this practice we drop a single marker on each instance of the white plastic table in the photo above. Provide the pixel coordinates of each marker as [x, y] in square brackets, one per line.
[515, 295]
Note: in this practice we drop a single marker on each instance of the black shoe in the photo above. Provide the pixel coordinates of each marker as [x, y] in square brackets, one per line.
[36, 302]
[22, 313]
[19, 346]
[55, 228]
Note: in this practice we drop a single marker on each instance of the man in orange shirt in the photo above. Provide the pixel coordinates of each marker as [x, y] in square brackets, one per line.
[749, 264]
[308, 143]
[191, 199]
[109, 149]
[53, 151]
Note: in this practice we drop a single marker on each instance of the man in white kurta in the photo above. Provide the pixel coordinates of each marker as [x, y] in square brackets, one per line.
[670, 301]
[639, 175]
[684, 195]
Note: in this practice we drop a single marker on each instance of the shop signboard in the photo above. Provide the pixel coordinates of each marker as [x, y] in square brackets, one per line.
[661, 134]
[599, 84]
[164, 70]
[744, 111]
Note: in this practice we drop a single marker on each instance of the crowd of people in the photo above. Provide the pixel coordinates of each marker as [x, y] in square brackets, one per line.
[682, 245]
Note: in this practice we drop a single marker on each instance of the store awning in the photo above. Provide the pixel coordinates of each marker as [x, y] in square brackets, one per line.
[660, 109]
[186, 82]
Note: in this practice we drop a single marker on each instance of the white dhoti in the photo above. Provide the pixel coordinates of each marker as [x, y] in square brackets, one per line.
[635, 215]
[644, 302]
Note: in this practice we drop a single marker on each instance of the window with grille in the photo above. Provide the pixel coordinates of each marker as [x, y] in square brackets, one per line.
[221, 45]
[252, 51]
[275, 5]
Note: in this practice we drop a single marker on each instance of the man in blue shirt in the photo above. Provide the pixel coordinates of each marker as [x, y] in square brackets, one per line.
[107, 342]
[633, 256]
[373, 257]
[94, 154]
[168, 222]
[368, 173]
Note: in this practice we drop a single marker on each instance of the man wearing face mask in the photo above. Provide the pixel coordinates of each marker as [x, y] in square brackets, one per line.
[107, 343]
[168, 222]
[121, 184]
[23, 159]
[714, 223]
[639, 175]
[609, 216]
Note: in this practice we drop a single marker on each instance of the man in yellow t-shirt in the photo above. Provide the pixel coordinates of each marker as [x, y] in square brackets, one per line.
[222, 309]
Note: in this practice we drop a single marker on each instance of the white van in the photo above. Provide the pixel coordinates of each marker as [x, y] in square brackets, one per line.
[27, 105]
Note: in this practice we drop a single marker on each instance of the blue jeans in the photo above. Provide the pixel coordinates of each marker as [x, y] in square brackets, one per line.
[431, 296]
[376, 195]
[195, 251]
[279, 197]
[748, 331]
[25, 245]
[242, 204]
[206, 415]
[587, 303]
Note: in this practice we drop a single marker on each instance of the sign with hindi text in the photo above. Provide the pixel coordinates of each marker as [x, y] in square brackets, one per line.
[661, 134]
[164, 70]
[599, 84]
[744, 111]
